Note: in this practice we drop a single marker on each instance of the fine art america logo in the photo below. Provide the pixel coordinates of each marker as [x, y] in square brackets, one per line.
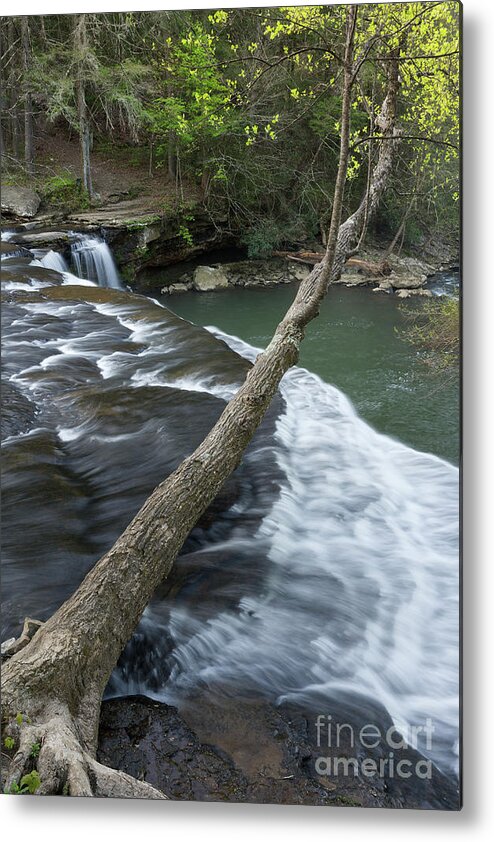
[391, 745]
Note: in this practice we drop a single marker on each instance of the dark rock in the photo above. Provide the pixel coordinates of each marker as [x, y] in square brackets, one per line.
[246, 751]
[11, 249]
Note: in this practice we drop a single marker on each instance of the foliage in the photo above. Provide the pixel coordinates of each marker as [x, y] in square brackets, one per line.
[65, 191]
[435, 330]
[245, 103]
[27, 786]
[261, 240]
[30, 782]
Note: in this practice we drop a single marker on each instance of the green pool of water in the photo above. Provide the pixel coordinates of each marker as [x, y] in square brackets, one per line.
[355, 346]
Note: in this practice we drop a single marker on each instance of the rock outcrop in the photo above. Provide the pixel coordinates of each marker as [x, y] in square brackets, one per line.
[241, 273]
[19, 202]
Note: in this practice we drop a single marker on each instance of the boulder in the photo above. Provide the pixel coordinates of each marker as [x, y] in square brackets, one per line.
[411, 265]
[298, 271]
[209, 278]
[406, 281]
[20, 202]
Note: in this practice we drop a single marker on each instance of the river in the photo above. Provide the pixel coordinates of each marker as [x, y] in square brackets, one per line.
[327, 571]
[354, 344]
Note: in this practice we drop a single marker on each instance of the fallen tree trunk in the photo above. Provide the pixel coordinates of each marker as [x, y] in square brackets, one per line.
[52, 687]
[311, 258]
[367, 267]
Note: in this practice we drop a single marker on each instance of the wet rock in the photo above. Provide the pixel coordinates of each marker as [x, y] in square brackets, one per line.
[406, 281]
[19, 202]
[409, 293]
[251, 273]
[18, 412]
[56, 240]
[355, 279]
[248, 751]
[175, 288]
[150, 741]
[413, 293]
[11, 249]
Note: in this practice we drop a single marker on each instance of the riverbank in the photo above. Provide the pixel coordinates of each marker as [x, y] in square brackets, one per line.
[146, 239]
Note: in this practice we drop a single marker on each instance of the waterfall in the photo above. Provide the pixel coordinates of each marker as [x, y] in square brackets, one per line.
[93, 260]
[54, 260]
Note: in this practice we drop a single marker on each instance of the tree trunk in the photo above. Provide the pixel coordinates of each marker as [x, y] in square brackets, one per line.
[351, 230]
[56, 682]
[28, 102]
[80, 43]
[402, 227]
[172, 157]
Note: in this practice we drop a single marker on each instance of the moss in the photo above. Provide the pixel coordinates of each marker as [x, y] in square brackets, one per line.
[346, 801]
[142, 222]
[65, 192]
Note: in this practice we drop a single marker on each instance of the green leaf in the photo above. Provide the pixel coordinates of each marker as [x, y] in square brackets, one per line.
[31, 782]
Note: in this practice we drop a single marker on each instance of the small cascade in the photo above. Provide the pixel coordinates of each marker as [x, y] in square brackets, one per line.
[93, 260]
[54, 260]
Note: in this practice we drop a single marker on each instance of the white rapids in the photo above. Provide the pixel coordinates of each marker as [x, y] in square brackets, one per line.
[362, 596]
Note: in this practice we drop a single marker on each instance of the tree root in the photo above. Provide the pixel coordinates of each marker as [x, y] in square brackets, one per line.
[64, 766]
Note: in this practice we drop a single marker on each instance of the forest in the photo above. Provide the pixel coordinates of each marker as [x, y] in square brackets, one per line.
[212, 533]
[244, 105]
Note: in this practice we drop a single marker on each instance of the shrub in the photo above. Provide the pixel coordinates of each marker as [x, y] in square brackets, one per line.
[263, 238]
[66, 192]
[435, 329]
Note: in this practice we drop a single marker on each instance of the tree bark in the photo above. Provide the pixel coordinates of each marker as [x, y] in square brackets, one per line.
[81, 46]
[28, 101]
[56, 682]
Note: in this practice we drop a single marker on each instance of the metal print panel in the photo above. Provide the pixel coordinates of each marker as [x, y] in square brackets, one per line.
[230, 554]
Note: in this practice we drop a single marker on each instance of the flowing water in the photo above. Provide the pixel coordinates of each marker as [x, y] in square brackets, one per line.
[327, 571]
[354, 344]
[93, 260]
